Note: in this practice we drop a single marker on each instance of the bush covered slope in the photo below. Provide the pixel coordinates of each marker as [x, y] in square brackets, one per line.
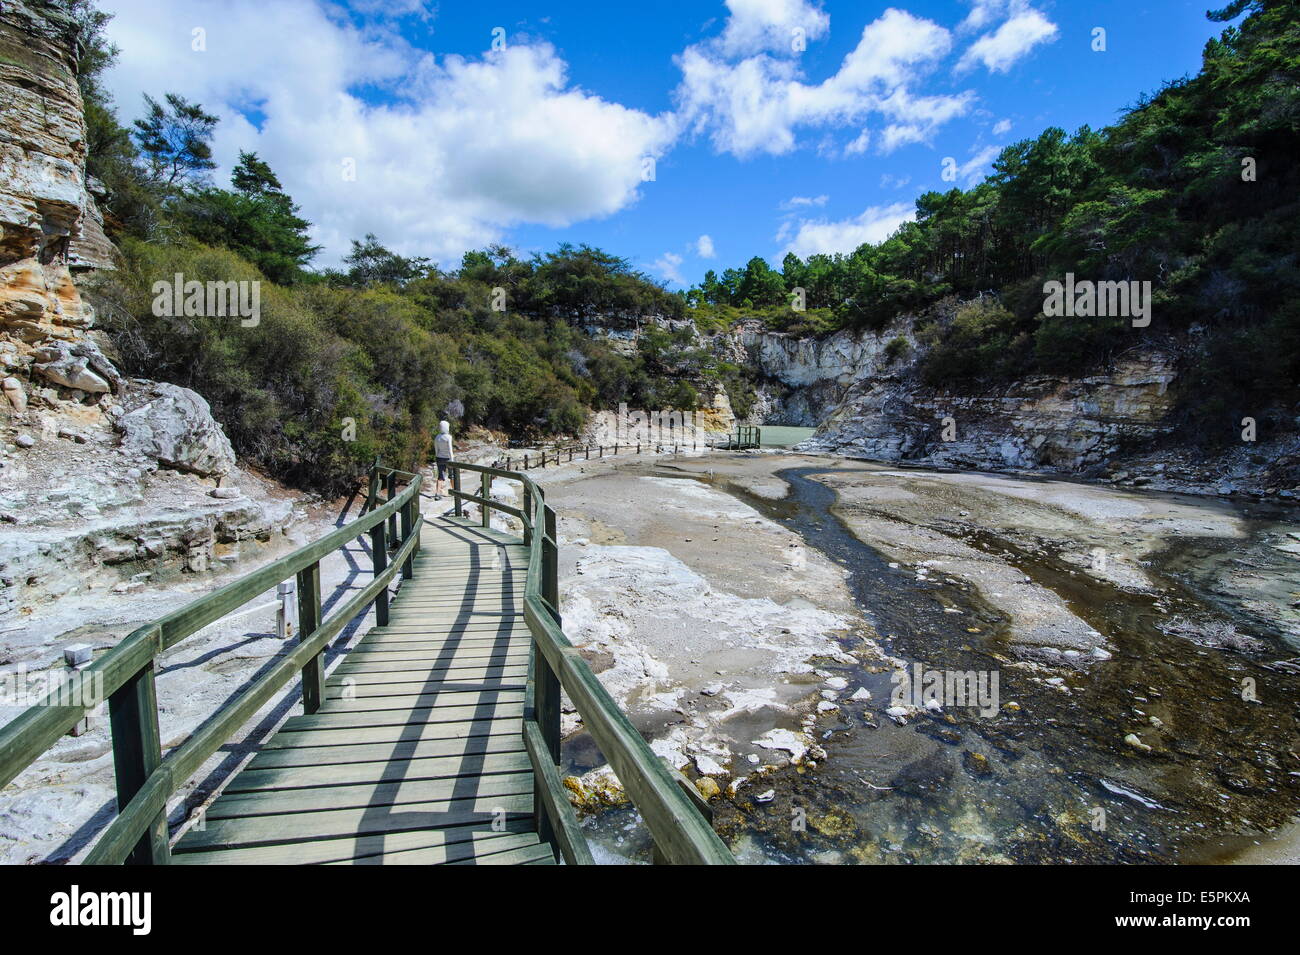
[395, 357]
[1196, 190]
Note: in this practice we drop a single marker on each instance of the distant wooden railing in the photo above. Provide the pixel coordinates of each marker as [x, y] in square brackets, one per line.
[741, 438]
[145, 780]
[673, 810]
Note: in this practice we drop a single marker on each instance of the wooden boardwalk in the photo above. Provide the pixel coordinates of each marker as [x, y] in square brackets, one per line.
[417, 753]
[435, 740]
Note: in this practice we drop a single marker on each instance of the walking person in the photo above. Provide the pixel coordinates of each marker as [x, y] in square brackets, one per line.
[443, 455]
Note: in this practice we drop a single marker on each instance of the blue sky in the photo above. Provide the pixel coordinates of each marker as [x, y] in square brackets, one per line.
[772, 124]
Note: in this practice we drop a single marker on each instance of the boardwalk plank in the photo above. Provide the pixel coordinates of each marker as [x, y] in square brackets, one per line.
[417, 755]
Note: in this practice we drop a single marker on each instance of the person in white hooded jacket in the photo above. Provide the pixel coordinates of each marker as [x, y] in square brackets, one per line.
[443, 454]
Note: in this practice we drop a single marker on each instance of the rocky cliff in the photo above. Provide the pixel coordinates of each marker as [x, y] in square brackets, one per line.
[104, 481]
[801, 380]
[49, 223]
[863, 393]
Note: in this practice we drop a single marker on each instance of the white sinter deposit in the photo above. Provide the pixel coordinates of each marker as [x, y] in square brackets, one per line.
[716, 648]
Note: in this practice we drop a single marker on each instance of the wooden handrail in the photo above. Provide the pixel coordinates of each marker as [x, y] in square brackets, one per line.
[145, 780]
[681, 834]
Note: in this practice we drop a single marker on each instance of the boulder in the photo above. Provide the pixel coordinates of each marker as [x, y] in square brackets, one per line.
[175, 427]
[15, 393]
[70, 366]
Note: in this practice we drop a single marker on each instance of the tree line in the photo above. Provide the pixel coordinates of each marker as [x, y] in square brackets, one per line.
[1195, 189]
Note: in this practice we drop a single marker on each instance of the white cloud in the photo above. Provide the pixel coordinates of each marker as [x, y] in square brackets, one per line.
[875, 224]
[983, 13]
[755, 104]
[438, 158]
[858, 146]
[972, 171]
[704, 247]
[757, 25]
[998, 51]
[423, 9]
[669, 266]
[1002, 127]
[799, 202]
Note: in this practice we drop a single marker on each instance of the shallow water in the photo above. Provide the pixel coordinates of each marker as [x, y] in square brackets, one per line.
[780, 436]
[1052, 781]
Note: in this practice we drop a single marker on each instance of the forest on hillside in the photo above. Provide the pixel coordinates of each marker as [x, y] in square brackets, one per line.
[1195, 189]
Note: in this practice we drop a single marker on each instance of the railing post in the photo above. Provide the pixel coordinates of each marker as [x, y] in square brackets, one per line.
[550, 562]
[408, 528]
[546, 685]
[391, 490]
[379, 560]
[372, 488]
[486, 493]
[133, 716]
[455, 486]
[313, 674]
[528, 514]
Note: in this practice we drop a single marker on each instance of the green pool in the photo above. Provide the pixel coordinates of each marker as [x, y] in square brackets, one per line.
[774, 436]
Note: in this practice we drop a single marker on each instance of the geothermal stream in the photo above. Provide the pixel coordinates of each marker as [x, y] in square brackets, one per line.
[1050, 773]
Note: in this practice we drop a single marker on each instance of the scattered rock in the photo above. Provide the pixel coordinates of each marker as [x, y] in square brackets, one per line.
[1133, 740]
[898, 714]
[16, 394]
[708, 787]
[706, 765]
[977, 764]
[68, 366]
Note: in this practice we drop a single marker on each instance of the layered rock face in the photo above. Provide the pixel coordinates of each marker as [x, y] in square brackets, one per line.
[1034, 423]
[49, 223]
[861, 390]
[804, 379]
[101, 477]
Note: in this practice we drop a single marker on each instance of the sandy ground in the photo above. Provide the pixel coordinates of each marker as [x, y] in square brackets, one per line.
[710, 624]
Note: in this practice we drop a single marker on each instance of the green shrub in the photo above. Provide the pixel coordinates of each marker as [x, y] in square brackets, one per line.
[897, 348]
[983, 341]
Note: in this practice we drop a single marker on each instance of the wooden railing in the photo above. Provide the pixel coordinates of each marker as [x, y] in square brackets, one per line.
[145, 780]
[743, 437]
[669, 804]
